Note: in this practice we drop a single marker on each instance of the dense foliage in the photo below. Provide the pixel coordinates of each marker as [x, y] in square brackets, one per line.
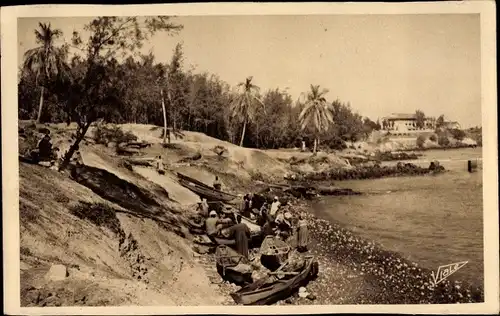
[108, 79]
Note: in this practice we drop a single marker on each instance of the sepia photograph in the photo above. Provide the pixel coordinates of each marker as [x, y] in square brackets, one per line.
[250, 159]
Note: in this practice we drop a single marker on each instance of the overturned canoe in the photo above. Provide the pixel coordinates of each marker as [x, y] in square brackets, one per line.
[193, 180]
[263, 293]
[204, 191]
[273, 252]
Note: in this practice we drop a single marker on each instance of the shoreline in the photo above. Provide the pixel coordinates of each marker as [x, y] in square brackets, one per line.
[347, 274]
[383, 276]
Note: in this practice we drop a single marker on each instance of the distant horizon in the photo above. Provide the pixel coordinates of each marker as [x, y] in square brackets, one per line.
[379, 64]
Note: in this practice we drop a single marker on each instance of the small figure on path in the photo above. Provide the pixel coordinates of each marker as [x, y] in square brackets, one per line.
[217, 184]
[159, 165]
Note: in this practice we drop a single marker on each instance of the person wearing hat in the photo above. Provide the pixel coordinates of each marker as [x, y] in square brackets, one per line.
[214, 224]
[274, 206]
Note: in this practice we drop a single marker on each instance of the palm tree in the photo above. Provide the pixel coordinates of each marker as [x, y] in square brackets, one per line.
[45, 60]
[317, 113]
[244, 106]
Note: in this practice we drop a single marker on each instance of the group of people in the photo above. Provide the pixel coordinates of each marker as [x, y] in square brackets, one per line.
[47, 155]
[280, 222]
[225, 225]
[274, 219]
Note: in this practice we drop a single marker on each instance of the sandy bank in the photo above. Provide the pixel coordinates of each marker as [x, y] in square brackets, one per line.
[130, 245]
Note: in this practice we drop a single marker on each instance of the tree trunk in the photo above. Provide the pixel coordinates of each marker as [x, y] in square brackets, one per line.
[40, 106]
[243, 132]
[73, 148]
[315, 148]
[165, 131]
[258, 142]
[175, 126]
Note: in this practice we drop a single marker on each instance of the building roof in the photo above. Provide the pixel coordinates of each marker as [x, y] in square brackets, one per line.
[405, 116]
[401, 116]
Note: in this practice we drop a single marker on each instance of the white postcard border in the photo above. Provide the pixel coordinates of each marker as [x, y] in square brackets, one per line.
[10, 180]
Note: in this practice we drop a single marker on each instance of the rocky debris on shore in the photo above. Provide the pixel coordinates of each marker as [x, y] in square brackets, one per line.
[364, 273]
[372, 172]
[394, 156]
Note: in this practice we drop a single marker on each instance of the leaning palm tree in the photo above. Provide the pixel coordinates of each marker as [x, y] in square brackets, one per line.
[45, 60]
[245, 106]
[317, 113]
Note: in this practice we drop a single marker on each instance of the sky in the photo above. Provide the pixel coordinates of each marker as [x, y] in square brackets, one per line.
[380, 64]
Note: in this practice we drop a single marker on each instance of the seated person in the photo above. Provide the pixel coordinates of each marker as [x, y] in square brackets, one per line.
[214, 225]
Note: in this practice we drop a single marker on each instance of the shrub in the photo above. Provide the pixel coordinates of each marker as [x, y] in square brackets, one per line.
[98, 214]
[421, 141]
[443, 141]
[219, 150]
[256, 175]
[433, 138]
[106, 134]
[458, 134]
[336, 143]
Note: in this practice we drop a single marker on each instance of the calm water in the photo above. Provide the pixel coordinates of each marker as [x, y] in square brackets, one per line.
[432, 220]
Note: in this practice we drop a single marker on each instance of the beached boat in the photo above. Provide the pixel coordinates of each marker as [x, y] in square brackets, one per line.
[188, 178]
[205, 191]
[273, 252]
[262, 292]
[232, 266]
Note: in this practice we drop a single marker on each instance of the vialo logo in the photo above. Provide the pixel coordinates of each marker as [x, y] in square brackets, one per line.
[445, 271]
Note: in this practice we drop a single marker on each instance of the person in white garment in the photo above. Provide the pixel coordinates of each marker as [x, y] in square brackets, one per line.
[274, 206]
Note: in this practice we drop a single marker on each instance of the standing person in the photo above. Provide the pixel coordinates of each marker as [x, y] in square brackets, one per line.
[274, 206]
[245, 206]
[159, 165]
[204, 206]
[78, 158]
[262, 216]
[303, 234]
[241, 234]
[217, 184]
[267, 228]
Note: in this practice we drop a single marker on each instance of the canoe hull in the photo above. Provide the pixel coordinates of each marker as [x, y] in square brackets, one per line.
[277, 291]
[227, 263]
[205, 192]
[274, 253]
